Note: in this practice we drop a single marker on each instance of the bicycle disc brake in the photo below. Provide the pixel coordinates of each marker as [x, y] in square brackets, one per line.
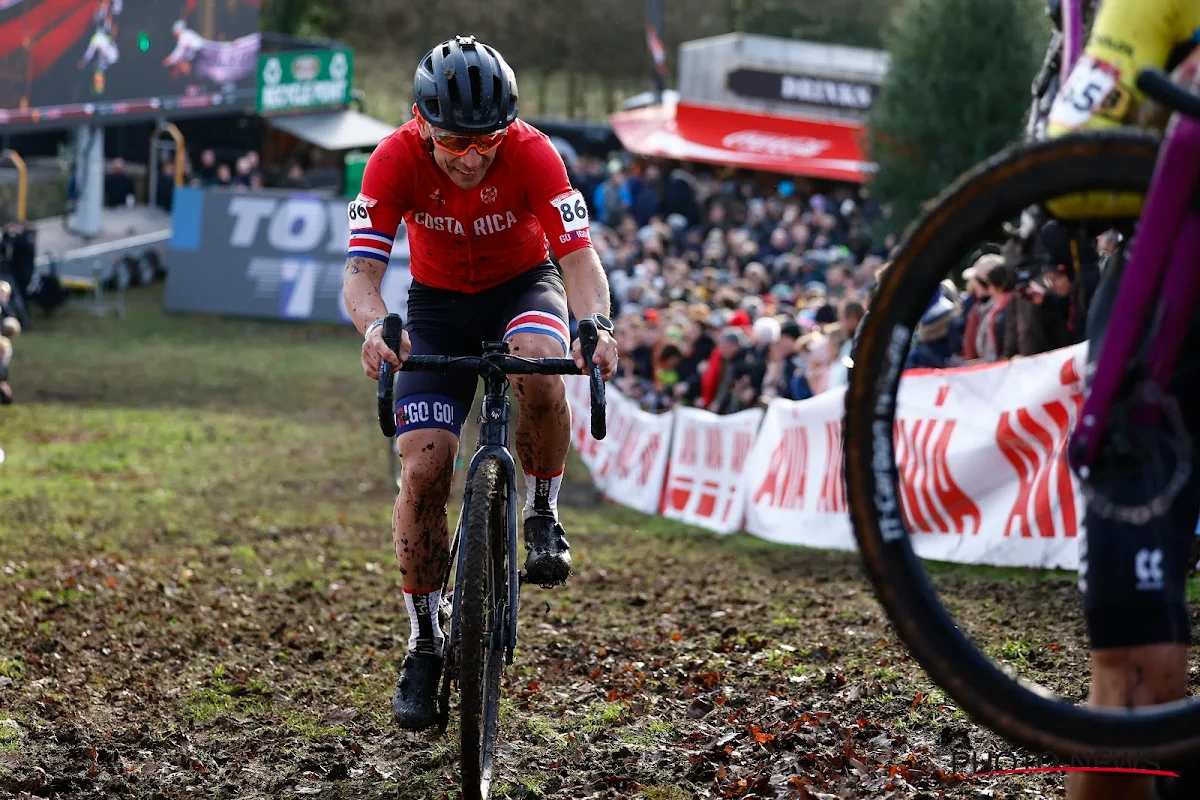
[1140, 448]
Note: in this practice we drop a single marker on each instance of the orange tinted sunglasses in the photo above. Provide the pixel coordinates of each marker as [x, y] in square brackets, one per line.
[457, 144]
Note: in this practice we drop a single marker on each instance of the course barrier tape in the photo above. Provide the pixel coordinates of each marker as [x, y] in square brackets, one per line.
[980, 451]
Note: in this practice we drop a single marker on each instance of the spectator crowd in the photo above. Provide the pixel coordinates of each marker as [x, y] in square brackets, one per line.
[242, 171]
[729, 291]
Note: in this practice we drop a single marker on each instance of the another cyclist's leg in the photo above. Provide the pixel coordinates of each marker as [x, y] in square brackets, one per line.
[430, 409]
[536, 327]
[1133, 580]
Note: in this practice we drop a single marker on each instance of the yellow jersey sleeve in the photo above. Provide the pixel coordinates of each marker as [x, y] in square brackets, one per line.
[1101, 91]
[1128, 35]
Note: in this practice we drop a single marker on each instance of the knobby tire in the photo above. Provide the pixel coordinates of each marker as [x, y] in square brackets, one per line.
[966, 213]
[484, 586]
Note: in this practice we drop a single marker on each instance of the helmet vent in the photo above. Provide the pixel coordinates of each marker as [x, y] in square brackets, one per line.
[476, 79]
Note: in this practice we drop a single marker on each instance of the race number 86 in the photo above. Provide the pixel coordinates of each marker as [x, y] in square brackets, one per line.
[570, 214]
[358, 211]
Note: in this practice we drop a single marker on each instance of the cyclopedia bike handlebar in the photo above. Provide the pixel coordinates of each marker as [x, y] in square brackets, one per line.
[490, 362]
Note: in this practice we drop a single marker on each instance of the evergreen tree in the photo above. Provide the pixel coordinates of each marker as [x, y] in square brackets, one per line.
[957, 92]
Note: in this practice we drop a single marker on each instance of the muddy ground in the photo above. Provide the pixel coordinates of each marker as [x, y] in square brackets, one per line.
[198, 599]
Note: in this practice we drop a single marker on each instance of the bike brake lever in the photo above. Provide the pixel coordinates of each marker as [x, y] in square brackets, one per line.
[589, 337]
[393, 326]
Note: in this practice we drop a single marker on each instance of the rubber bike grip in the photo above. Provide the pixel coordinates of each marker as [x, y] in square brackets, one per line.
[393, 326]
[1159, 87]
[589, 337]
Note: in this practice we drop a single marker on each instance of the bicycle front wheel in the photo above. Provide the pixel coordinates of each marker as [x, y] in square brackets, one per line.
[484, 586]
[973, 210]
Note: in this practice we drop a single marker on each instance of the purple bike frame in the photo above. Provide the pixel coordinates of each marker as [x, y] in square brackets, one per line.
[1072, 31]
[1157, 294]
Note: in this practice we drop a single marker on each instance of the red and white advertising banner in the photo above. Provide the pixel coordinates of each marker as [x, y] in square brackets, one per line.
[579, 399]
[628, 465]
[704, 475]
[981, 455]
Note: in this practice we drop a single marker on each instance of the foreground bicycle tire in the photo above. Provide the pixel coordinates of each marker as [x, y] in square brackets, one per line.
[484, 585]
[968, 212]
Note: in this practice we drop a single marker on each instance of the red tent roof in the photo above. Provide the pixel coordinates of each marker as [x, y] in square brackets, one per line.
[791, 145]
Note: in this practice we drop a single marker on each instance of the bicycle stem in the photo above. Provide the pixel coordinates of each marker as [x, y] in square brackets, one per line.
[494, 430]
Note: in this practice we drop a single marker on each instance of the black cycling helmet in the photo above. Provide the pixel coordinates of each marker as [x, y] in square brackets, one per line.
[464, 86]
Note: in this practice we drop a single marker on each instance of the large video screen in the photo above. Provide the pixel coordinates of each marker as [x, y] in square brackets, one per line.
[62, 61]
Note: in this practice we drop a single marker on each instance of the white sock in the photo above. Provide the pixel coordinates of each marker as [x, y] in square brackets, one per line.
[423, 611]
[541, 497]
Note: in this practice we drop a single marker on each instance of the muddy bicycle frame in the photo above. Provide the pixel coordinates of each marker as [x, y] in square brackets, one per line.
[494, 366]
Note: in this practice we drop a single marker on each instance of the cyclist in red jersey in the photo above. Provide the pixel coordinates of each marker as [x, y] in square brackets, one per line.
[484, 198]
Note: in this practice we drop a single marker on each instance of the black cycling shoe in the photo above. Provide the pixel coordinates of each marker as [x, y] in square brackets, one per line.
[414, 705]
[548, 563]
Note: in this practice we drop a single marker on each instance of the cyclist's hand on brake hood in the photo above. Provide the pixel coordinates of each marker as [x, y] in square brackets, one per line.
[606, 355]
[374, 350]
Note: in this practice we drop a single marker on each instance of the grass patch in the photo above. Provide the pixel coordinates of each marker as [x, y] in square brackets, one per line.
[602, 715]
[1014, 651]
[664, 793]
[311, 727]
[655, 732]
[545, 732]
[244, 553]
[534, 782]
[975, 572]
[10, 739]
[206, 705]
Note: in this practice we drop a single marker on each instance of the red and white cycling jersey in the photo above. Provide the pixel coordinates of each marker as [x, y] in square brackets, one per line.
[468, 240]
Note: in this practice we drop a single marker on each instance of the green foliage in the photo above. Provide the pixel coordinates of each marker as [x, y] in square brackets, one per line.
[850, 22]
[956, 93]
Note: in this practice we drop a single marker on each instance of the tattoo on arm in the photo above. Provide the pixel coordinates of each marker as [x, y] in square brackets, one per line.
[373, 267]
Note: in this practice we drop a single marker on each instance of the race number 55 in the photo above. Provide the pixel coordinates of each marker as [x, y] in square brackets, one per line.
[1084, 93]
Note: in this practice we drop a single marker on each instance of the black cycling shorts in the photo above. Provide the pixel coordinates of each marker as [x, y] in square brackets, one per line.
[1134, 578]
[446, 323]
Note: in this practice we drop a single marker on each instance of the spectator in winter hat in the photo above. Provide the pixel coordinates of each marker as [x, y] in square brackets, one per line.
[826, 315]
[977, 302]
[932, 349]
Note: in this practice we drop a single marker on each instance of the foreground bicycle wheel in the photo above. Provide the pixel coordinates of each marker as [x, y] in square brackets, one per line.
[973, 210]
[484, 587]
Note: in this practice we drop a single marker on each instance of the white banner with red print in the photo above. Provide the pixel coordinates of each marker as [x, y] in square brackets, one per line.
[629, 463]
[981, 455]
[704, 472]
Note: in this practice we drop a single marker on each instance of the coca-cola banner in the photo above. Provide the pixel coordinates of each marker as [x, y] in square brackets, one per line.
[629, 463]
[704, 471]
[981, 456]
